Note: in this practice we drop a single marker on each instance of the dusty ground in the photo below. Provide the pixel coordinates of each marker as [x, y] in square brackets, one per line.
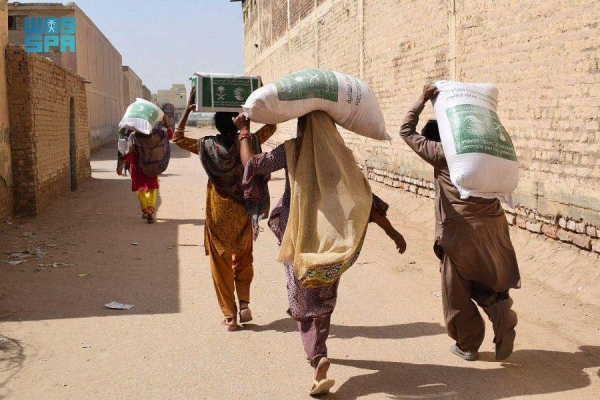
[58, 341]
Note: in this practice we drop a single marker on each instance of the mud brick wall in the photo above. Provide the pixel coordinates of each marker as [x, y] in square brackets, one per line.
[6, 196]
[543, 56]
[49, 131]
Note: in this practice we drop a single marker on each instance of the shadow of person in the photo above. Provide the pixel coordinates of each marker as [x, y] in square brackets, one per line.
[195, 222]
[284, 325]
[398, 331]
[526, 373]
[11, 361]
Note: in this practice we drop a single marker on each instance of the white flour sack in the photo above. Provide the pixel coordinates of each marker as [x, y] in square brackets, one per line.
[480, 154]
[141, 116]
[348, 100]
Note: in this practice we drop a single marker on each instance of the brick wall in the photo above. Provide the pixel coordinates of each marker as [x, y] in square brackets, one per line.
[49, 131]
[542, 55]
[95, 59]
[6, 199]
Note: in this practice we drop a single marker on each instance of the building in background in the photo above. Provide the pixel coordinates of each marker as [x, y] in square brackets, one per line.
[132, 86]
[146, 94]
[177, 96]
[66, 35]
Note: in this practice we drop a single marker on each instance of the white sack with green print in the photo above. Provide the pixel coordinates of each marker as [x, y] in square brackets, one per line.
[348, 100]
[480, 154]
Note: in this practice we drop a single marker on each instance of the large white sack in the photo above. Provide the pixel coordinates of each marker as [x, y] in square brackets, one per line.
[480, 154]
[141, 116]
[348, 100]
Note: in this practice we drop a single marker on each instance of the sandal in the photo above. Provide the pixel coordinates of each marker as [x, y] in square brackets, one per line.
[504, 348]
[465, 355]
[245, 315]
[321, 384]
[321, 387]
[229, 324]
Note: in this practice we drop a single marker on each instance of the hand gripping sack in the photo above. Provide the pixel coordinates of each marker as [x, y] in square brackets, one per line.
[348, 100]
[141, 116]
[154, 152]
[480, 154]
[125, 143]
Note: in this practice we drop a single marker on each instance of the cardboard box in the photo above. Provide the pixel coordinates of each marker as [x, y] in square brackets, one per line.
[223, 92]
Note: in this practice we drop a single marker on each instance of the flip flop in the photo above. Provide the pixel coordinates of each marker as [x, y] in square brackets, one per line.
[465, 355]
[321, 387]
[245, 315]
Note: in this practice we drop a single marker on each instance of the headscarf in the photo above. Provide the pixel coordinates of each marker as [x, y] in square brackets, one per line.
[330, 204]
[222, 163]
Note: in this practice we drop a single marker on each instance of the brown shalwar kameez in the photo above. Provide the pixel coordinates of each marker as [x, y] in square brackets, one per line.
[478, 261]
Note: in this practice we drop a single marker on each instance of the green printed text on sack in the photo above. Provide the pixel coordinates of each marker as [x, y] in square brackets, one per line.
[143, 111]
[308, 84]
[477, 129]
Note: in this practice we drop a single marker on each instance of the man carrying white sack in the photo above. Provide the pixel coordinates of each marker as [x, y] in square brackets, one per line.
[478, 261]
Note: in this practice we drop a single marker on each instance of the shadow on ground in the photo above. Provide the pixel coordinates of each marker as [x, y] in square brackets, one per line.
[527, 373]
[11, 361]
[89, 248]
[398, 331]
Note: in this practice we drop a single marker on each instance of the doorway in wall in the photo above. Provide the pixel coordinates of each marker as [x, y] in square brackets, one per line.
[72, 146]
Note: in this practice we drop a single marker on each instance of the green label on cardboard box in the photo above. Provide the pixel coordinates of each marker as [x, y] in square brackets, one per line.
[226, 92]
[478, 129]
[308, 84]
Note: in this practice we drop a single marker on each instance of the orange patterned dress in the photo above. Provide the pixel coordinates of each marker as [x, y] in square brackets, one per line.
[227, 226]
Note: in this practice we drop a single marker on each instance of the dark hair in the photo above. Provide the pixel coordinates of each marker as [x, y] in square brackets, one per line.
[224, 123]
[431, 131]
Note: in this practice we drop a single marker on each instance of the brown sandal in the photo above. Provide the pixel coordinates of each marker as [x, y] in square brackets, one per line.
[245, 315]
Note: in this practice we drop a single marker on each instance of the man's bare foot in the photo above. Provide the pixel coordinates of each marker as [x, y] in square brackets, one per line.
[229, 324]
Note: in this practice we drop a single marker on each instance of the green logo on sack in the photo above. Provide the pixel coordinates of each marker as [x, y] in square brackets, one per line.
[308, 84]
[144, 111]
[477, 129]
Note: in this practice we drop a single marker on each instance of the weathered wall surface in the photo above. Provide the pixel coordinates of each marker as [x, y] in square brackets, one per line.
[99, 62]
[95, 59]
[132, 87]
[16, 34]
[544, 57]
[6, 197]
[146, 93]
[49, 131]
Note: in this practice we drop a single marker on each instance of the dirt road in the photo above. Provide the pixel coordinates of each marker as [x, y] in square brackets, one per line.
[58, 341]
